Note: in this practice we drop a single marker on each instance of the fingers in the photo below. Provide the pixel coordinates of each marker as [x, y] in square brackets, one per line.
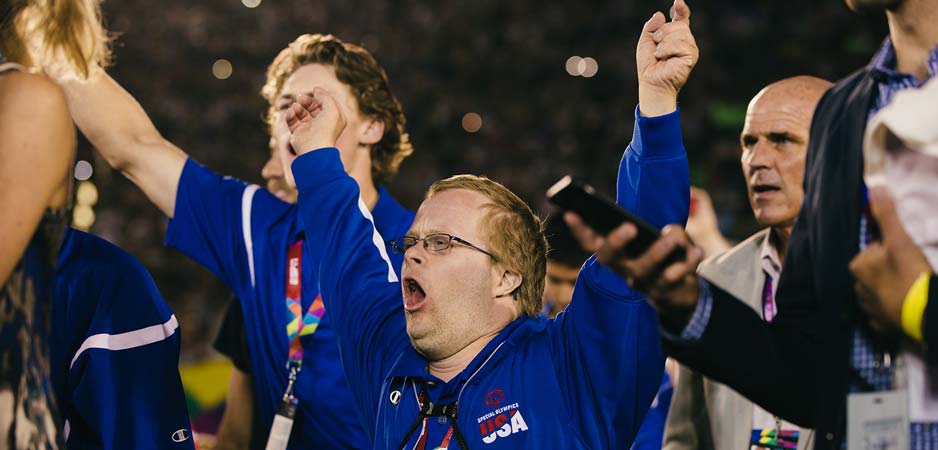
[614, 244]
[870, 308]
[671, 48]
[680, 12]
[646, 265]
[871, 259]
[324, 98]
[676, 272]
[588, 239]
[656, 21]
[884, 211]
[308, 102]
[295, 115]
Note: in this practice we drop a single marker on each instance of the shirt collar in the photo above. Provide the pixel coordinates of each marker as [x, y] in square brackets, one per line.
[883, 64]
[771, 263]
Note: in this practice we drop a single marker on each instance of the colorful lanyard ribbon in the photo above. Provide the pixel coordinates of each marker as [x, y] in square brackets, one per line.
[299, 324]
[772, 438]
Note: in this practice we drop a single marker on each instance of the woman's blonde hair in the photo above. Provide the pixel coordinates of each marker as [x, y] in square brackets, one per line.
[54, 35]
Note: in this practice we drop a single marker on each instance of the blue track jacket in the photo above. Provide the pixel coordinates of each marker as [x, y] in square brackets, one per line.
[114, 352]
[582, 380]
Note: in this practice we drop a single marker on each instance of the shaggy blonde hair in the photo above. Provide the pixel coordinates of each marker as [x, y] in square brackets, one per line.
[54, 35]
[515, 235]
[357, 69]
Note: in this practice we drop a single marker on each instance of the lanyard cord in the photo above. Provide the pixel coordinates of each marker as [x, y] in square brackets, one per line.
[427, 410]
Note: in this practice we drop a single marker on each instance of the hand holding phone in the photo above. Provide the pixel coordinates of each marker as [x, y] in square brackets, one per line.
[603, 215]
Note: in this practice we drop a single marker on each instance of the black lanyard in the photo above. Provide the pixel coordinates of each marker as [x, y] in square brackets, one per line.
[428, 410]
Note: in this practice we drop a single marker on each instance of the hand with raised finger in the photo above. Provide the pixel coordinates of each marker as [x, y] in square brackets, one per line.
[665, 55]
[886, 270]
[315, 121]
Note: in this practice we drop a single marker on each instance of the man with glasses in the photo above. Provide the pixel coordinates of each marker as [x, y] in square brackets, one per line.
[454, 353]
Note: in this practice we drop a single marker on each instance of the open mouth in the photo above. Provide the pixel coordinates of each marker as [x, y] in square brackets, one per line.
[414, 296]
[764, 188]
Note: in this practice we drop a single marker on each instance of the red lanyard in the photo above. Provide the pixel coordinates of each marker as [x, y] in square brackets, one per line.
[294, 293]
[299, 324]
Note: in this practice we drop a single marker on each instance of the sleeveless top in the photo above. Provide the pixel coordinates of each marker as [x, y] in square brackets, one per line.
[29, 418]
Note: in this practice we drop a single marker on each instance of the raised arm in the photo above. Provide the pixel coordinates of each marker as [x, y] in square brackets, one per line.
[359, 285]
[608, 334]
[121, 131]
[37, 144]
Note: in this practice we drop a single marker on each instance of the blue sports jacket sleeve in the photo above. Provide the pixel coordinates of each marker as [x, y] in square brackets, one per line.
[359, 285]
[123, 387]
[208, 225]
[606, 343]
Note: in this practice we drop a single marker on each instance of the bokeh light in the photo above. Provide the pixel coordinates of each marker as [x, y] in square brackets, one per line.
[471, 122]
[222, 69]
[86, 194]
[572, 65]
[83, 170]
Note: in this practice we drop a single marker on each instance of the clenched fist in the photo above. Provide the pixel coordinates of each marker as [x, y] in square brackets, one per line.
[665, 56]
[315, 122]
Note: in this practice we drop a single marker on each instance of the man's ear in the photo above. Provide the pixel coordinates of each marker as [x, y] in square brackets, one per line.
[370, 132]
[509, 284]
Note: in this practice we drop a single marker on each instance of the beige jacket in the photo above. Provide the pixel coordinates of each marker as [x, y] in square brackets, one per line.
[704, 414]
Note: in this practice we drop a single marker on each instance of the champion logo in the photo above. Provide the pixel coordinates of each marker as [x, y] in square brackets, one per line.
[181, 435]
[494, 398]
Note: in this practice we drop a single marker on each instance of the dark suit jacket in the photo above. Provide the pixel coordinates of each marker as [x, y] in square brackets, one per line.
[799, 366]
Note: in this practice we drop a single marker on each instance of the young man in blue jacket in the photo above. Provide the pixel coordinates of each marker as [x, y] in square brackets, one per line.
[453, 353]
[114, 352]
[252, 238]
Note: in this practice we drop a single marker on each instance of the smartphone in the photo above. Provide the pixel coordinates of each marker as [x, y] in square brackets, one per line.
[603, 215]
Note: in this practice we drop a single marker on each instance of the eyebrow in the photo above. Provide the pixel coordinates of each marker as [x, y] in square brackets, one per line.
[776, 135]
[411, 232]
[288, 96]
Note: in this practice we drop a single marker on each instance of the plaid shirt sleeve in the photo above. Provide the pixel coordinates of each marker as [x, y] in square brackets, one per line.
[698, 322]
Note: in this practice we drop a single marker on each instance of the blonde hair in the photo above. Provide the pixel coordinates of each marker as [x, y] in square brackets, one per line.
[357, 69]
[54, 34]
[515, 235]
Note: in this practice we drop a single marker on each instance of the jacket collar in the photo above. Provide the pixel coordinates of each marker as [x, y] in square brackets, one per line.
[412, 364]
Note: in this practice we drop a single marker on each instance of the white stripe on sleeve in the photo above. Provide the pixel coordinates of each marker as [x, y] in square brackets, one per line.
[130, 339]
[378, 241]
[247, 199]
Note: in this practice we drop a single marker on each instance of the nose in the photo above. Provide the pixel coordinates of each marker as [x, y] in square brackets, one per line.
[760, 155]
[413, 255]
[272, 168]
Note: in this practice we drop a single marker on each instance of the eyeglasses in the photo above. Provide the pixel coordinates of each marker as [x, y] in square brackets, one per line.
[435, 243]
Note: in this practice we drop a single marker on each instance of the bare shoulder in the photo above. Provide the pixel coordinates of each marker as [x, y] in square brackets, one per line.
[23, 89]
[29, 101]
